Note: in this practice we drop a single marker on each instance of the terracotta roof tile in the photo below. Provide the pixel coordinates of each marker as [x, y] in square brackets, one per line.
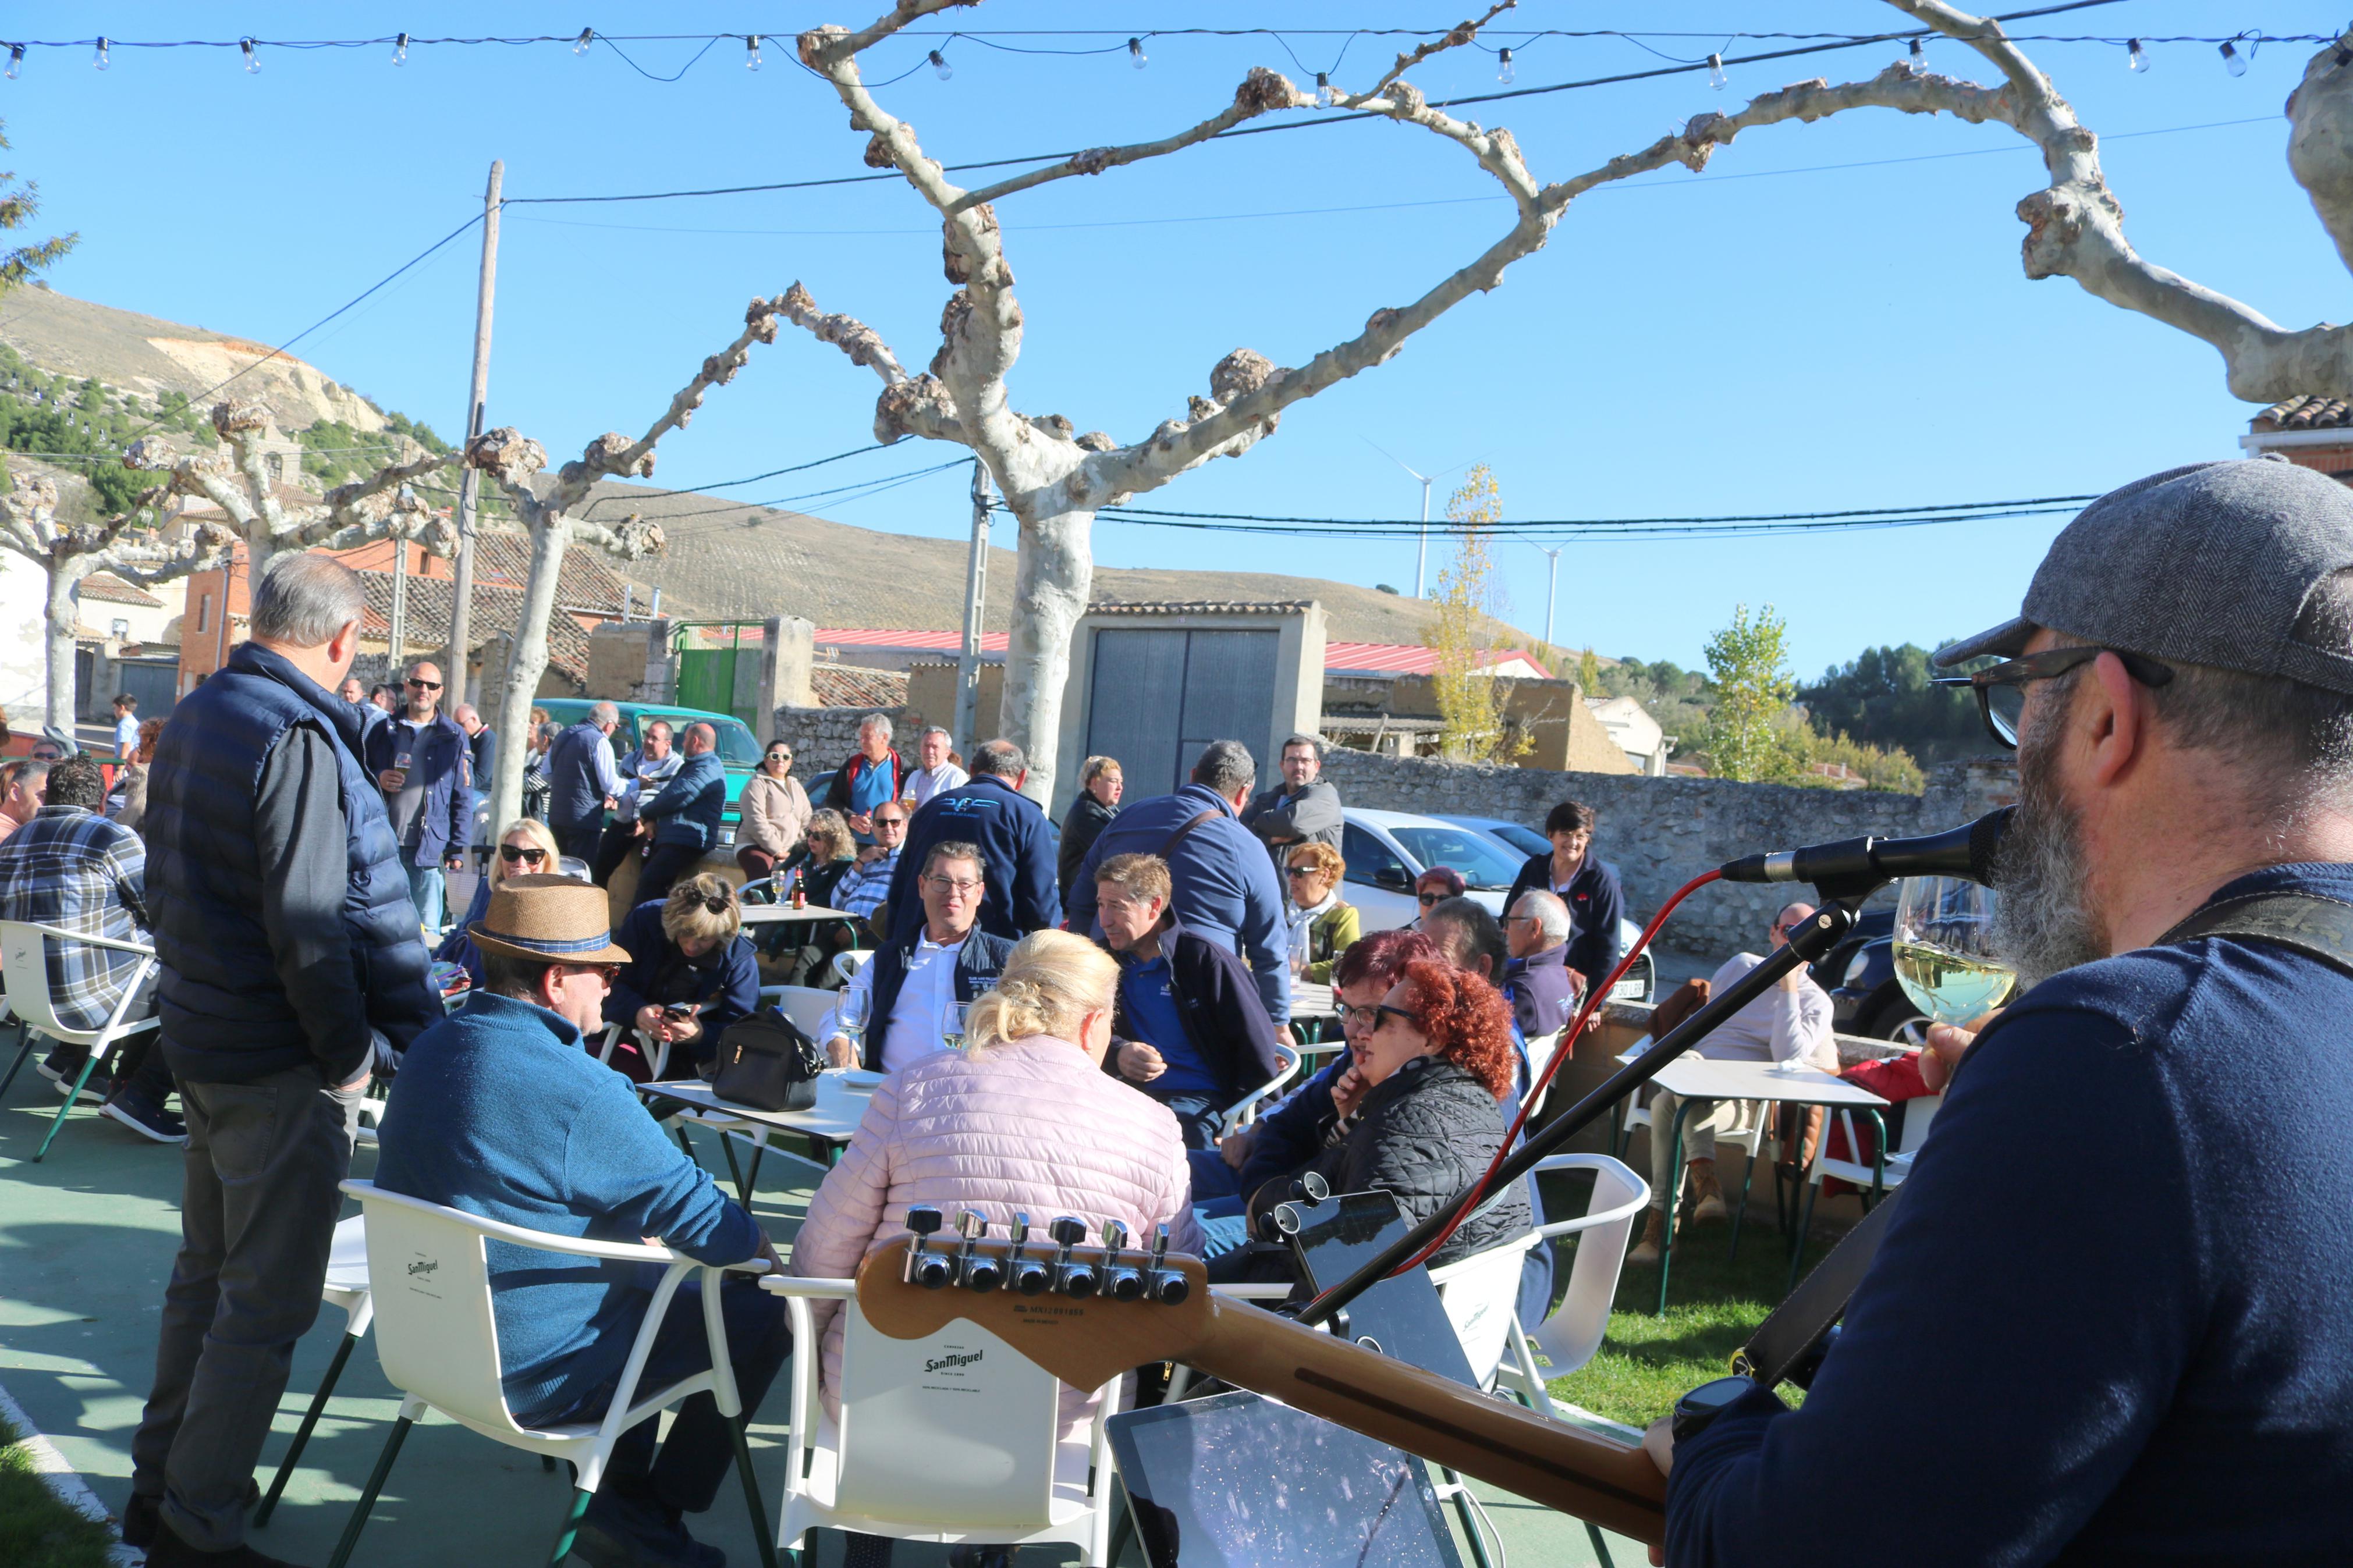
[848, 686]
[496, 610]
[106, 585]
[2310, 412]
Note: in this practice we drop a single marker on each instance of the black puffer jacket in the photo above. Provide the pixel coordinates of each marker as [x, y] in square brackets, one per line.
[1422, 1135]
[1080, 825]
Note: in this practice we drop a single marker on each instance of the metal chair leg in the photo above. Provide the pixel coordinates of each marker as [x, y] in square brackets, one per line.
[547, 1464]
[72, 1100]
[762, 1531]
[367, 1498]
[1469, 1521]
[1674, 1197]
[752, 1177]
[727, 1148]
[1600, 1547]
[1747, 1180]
[1805, 1229]
[571, 1527]
[25, 1048]
[302, 1433]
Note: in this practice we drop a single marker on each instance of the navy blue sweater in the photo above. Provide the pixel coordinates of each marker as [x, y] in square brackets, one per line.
[499, 1111]
[688, 808]
[1016, 850]
[726, 980]
[2108, 1322]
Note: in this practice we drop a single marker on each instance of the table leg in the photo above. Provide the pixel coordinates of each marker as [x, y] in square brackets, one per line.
[1675, 1187]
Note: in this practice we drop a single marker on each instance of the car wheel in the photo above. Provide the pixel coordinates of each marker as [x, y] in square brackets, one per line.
[1898, 1020]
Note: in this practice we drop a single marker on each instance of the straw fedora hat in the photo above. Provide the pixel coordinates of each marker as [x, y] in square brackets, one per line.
[557, 920]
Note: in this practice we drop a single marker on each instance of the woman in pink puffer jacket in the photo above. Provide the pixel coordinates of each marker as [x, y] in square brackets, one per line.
[1026, 1120]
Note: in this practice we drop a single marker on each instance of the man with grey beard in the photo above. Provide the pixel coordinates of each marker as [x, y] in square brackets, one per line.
[2108, 1321]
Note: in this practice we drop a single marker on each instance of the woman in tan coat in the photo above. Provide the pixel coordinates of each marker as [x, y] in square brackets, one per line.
[775, 814]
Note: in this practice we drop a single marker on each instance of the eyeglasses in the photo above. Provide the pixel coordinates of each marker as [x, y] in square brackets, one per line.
[514, 853]
[1429, 898]
[1509, 920]
[780, 756]
[1367, 1016]
[890, 821]
[959, 886]
[608, 973]
[424, 684]
[1299, 870]
[1381, 1009]
[2001, 690]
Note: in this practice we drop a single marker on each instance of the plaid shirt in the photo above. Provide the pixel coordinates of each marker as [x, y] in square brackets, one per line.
[69, 867]
[864, 886]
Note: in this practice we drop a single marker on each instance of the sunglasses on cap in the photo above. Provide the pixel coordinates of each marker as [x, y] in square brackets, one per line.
[517, 854]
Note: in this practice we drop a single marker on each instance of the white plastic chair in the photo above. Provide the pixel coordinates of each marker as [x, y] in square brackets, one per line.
[655, 1051]
[25, 971]
[346, 1287]
[1244, 1112]
[437, 1340]
[1479, 1291]
[849, 961]
[985, 1434]
[1883, 1175]
[1569, 1337]
[806, 1005]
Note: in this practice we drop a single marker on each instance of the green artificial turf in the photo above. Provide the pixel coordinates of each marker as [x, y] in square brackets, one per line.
[1645, 1363]
[37, 1531]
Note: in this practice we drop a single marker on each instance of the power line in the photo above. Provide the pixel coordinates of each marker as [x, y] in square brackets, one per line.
[865, 488]
[1734, 525]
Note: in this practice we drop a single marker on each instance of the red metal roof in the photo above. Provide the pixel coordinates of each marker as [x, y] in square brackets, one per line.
[1403, 658]
[943, 642]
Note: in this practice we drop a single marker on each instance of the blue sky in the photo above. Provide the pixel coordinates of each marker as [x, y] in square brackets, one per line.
[1780, 335]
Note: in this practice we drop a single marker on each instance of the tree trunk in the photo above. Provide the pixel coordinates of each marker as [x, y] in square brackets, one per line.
[526, 662]
[59, 611]
[1053, 572]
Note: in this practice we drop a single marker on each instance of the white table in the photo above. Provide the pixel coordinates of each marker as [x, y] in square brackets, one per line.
[841, 1100]
[1692, 1076]
[785, 914]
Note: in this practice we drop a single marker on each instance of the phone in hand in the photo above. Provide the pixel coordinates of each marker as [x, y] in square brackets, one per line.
[680, 1012]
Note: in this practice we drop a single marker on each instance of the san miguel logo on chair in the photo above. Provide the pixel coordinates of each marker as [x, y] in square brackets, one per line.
[424, 1265]
[944, 1363]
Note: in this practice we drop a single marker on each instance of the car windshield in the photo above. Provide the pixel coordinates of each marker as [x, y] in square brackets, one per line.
[1485, 864]
[736, 747]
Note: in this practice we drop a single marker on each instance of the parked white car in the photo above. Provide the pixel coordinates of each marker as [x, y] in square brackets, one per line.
[1386, 850]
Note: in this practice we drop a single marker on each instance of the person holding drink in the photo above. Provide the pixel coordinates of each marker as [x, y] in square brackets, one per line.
[424, 765]
[900, 1006]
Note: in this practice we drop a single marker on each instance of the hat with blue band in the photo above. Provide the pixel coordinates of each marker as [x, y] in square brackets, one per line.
[555, 920]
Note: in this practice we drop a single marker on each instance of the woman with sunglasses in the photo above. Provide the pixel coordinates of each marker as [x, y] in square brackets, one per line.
[1434, 886]
[690, 973]
[1323, 924]
[775, 815]
[525, 849]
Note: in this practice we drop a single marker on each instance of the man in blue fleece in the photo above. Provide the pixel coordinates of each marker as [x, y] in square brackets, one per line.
[500, 1112]
[2106, 1321]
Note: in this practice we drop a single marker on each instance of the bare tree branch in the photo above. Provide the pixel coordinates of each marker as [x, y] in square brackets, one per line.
[1260, 92]
[853, 337]
[1462, 33]
[821, 47]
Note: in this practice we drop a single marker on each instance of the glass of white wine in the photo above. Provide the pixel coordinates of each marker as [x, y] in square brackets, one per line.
[952, 1026]
[850, 1018]
[1945, 957]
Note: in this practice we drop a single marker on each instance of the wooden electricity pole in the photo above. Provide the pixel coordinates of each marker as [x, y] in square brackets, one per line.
[461, 590]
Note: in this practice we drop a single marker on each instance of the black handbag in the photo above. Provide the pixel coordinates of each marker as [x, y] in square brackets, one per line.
[765, 1062]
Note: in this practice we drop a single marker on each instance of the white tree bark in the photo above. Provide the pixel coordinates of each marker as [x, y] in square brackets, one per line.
[513, 463]
[29, 526]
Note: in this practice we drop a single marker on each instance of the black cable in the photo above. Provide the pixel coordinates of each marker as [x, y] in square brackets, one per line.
[753, 479]
[649, 76]
[1627, 522]
[870, 487]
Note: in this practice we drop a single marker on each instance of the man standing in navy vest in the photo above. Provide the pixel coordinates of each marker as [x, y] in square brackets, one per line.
[290, 965]
[1016, 842]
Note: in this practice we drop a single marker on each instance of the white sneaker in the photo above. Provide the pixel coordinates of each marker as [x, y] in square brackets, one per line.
[90, 1094]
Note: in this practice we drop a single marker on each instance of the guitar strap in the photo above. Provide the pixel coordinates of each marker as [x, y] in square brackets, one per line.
[2316, 927]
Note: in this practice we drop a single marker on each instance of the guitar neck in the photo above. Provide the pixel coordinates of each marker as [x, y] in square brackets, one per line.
[1581, 1472]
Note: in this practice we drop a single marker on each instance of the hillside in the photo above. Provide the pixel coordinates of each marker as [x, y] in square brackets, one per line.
[751, 561]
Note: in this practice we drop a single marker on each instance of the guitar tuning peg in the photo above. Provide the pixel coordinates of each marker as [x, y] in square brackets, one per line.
[927, 1267]
[1069, 1231]
[1020, 1232]
[1074, 1280]
[1121, 1281]
[924, 1219]
[1114, 1235]
[1159, 1243]
[972, 1224]
[1029, 1277]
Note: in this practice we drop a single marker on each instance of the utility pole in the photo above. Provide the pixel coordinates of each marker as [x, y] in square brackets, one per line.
[975, 601]
[461, 590]
[397, 641]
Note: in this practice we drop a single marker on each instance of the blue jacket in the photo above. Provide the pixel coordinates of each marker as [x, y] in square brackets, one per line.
[689, 807]
[1224, 1021]
[727, 982]
[445, 819]
[580, 774]
[1224, 883]
[458, 947]
[297, 950]
[500, 1112]
[981, 958]
[1596, 904]
[1017, 851]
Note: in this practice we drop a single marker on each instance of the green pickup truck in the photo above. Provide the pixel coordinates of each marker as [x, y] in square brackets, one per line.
[737, 750]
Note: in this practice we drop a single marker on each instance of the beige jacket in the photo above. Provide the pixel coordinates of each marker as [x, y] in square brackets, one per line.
[775, 814]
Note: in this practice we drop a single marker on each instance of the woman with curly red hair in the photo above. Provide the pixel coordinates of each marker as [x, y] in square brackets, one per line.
[1437, 1068]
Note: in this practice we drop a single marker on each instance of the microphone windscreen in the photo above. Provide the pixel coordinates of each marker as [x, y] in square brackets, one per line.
[1985, 844]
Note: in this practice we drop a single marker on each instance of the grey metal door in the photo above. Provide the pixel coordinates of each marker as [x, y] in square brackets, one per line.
[1158, 697]
[156, 686]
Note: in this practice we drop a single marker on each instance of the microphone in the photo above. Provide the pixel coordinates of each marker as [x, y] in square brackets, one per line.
[1855, 864]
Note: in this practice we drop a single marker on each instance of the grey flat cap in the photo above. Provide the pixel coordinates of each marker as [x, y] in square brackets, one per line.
[2208, 564]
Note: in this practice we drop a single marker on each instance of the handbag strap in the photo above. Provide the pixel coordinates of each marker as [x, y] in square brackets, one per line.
[1177, 838]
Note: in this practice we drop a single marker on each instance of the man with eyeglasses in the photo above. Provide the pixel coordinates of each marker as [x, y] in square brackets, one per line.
[988, 809]
[1791, 1022]
[913, 980]
[644, 773]
[424, 767]
[2106, 1321]
[865, 888]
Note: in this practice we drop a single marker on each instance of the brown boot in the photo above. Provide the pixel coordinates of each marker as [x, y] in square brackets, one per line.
[1708, 1198]
[1654, 1239]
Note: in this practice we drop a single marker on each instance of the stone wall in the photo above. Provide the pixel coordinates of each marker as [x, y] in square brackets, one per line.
[1662, 832]
[821, 738]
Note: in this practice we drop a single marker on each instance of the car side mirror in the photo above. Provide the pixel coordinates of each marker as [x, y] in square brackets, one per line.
[1392, 877]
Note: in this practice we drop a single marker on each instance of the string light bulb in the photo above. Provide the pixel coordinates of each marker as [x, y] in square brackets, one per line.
[940, 66]
[580, 45]
[1135, 53]
[400, 50]
[1325, 97]
[15, 60]
[1716, 77]
[253, 60]
[1503, 67]
[751, 51]
[2234, 61]
[98, 57]
[1919, 56]
[2135, 58]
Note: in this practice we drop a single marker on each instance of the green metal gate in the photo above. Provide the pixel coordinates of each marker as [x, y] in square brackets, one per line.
[707, 676]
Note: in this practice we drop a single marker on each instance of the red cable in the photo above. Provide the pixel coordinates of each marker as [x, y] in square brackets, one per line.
[1560, 1054]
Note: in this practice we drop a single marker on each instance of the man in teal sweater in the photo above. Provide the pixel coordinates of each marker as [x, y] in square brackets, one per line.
[501, 1111]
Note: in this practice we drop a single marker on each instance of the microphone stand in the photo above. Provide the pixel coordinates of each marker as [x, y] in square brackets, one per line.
[1817, 936]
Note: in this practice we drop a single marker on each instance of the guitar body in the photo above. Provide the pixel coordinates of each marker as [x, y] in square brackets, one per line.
[1085, 1340]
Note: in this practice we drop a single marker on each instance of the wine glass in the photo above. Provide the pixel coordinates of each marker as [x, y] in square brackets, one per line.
[952, 1026]
[850, 1014]
[1944, 951]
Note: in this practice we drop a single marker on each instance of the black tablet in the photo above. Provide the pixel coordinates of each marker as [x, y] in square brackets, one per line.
[1238, 1480]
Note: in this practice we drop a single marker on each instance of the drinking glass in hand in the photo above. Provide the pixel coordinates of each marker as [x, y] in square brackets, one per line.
[1945, 957]
[850, 1014]
[952, 1026]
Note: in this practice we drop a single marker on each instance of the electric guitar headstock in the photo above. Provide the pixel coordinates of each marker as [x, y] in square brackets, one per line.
[1085, 1313]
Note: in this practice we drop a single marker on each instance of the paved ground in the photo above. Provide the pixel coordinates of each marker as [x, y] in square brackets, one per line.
[86, 1241]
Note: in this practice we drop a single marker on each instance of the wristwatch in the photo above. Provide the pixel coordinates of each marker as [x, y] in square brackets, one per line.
[1694, 1410]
